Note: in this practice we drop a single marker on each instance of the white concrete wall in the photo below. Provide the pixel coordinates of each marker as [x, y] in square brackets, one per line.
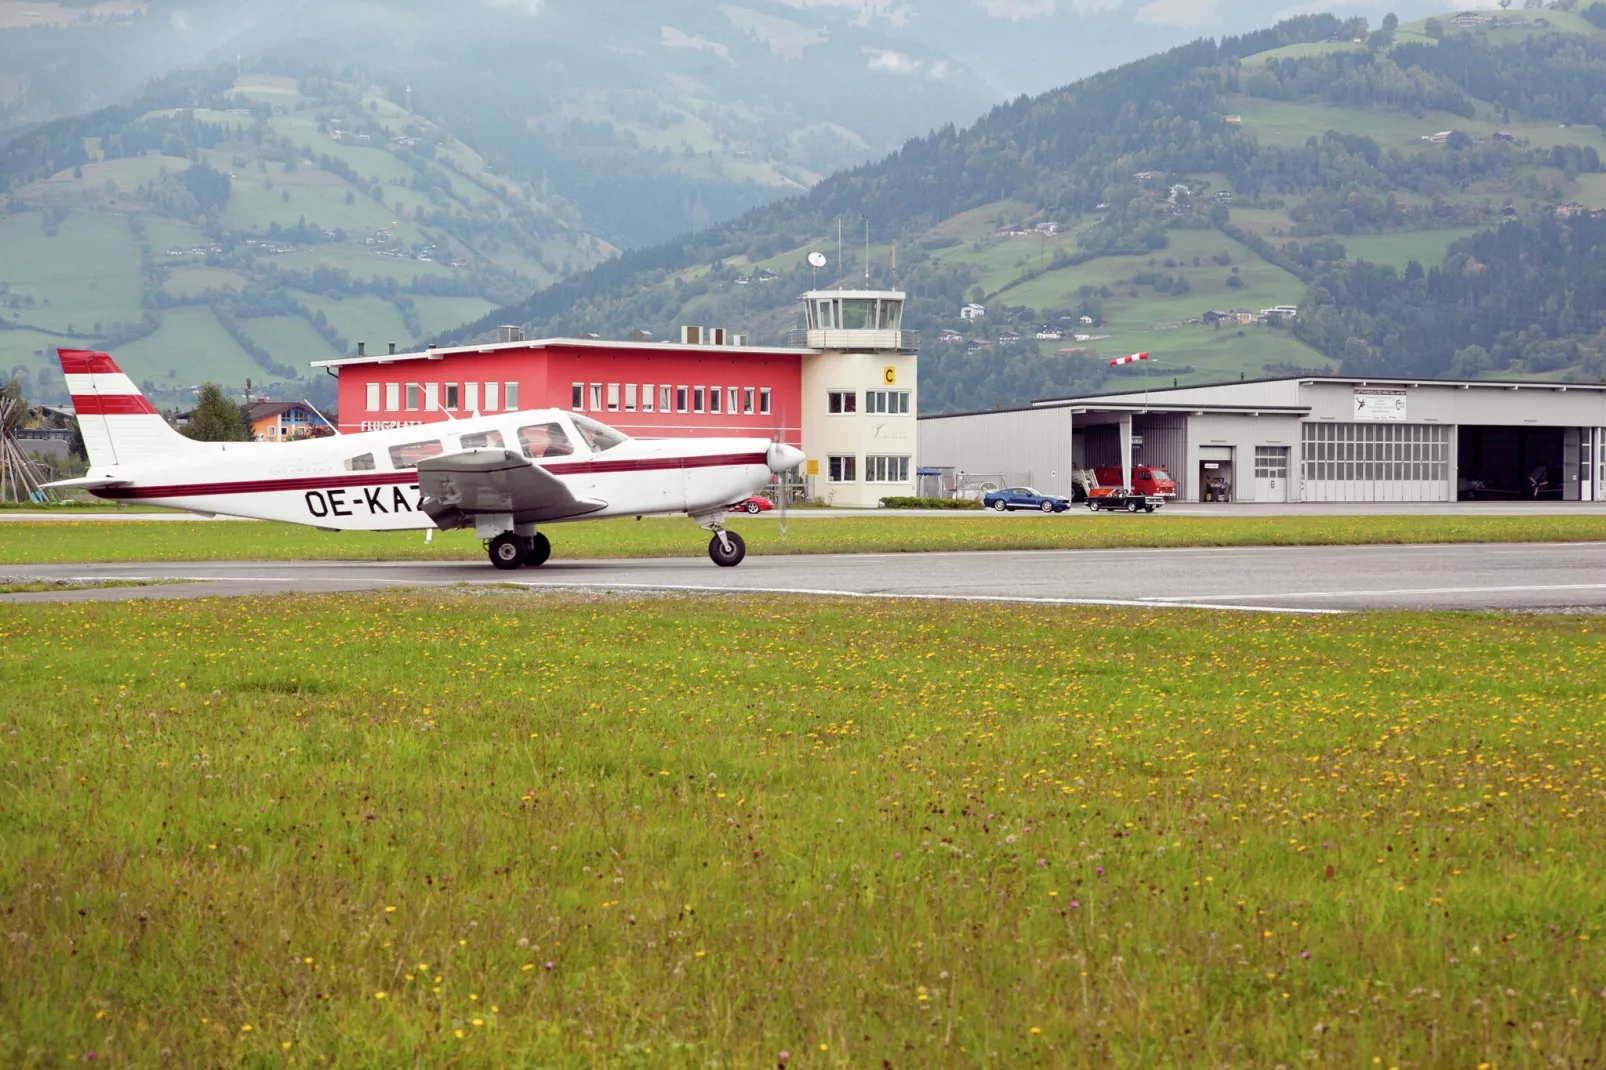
[860, 434]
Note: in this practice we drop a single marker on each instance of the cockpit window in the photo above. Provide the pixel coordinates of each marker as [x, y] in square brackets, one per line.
[481, 440]
[363, 462]
[545, 440]
[599, 436]
[409, 455]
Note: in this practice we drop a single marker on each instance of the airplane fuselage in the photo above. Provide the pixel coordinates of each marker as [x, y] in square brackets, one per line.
[367, 482]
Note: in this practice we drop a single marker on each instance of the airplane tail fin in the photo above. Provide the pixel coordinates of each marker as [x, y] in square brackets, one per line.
[119, 424]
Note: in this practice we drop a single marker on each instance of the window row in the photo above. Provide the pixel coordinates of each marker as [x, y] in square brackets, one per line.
[888, 402]
[433, 397]
[651, 397]
[844, 468]
[538, 441]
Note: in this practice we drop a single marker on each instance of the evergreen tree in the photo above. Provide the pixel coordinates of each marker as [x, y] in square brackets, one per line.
[216, 418]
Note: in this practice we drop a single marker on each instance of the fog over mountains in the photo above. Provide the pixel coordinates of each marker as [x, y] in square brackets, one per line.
[650, 117]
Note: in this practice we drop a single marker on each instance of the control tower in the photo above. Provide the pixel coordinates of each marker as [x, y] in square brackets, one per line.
[859, 390]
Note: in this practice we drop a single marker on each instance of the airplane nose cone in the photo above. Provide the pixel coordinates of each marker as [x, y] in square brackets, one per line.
[783, 458]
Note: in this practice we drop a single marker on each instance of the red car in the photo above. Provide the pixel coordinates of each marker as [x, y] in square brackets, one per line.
[753, 505]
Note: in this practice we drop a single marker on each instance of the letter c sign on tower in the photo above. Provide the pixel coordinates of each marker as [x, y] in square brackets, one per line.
[889, 375]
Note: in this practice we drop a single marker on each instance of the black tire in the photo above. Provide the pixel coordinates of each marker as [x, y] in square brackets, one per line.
[537, 550]
[1092, 505]
[507, 551]
[1149, 508]
[752, 508]
[727, 558]
[1132, 505]
[1001, 506]
[1047, 507]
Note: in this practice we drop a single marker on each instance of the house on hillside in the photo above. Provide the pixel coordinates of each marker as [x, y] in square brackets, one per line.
[1568, 210]
[1468, 20]
[286, 421]
[766, 275]
[1050, 334]
[1008, 337]
[950, 336]
[972, 312]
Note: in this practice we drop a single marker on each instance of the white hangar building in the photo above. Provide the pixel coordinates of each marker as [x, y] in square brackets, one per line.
[1309, 438]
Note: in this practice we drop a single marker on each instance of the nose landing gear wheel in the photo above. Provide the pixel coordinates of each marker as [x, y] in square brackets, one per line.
[537, 550]
[730, 554]
[507, 551]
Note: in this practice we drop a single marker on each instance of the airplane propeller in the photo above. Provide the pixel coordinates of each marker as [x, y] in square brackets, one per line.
[782, 459]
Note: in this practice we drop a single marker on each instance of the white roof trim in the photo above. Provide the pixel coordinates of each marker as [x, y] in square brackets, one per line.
[547, 343]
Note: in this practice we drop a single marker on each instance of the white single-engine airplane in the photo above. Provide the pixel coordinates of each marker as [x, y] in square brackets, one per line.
[502, 475]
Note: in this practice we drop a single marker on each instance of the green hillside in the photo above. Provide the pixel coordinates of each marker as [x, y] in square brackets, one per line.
[1130, 207]
[269, 222]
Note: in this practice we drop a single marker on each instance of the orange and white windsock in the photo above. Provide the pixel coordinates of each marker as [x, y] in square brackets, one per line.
[1129, 360]
[118, 422]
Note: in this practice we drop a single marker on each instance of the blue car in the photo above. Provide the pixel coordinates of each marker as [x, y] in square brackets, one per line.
[1025, 498]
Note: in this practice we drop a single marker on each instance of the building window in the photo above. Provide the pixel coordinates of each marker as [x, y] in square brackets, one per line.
[747, 401]
[432, 396]
[510, 395]
[646, 397]
[471, 397]
[392, 397]
[596, 397]
[680, 398]
[887, 402]
[577, 397]
[696, 399]
[490, 397]
[412, 397]
[733, 399]
[613, 397]
[452, 396]
[764, 400]
[713, 399]
[373, 397]
[843, 469]
[665, 399]
[840, 402]
[630, 397]
[886, 469]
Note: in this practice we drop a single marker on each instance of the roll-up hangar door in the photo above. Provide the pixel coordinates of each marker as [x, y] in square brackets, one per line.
[1375, 462]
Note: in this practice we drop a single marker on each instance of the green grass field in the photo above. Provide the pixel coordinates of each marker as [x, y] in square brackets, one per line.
[50, 542]
[194, 345]
[1427, 247]
[503, 830]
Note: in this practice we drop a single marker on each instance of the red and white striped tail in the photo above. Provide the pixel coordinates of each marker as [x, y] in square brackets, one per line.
[1128, 360]
[119, 424]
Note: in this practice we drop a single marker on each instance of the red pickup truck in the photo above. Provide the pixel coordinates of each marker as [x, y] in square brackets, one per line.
[1151, 488]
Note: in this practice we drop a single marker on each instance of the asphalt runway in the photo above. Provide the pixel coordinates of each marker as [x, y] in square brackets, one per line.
[1302, 580]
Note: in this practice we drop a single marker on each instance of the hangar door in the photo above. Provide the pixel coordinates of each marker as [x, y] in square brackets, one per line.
[1376, 462]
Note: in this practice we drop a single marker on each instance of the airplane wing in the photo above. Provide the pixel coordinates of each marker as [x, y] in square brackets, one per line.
[458, 486]
[85, 484]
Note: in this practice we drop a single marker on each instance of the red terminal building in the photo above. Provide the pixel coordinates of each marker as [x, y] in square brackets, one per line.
[858, 449]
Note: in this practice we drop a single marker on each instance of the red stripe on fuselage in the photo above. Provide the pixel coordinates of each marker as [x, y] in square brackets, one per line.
[112, 405]
[86, 362]
[265, 486]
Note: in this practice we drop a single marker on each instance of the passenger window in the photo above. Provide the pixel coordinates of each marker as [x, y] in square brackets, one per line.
[545, 440]
[482, 439]
[599, 436]
[362, 463]
[409, 455]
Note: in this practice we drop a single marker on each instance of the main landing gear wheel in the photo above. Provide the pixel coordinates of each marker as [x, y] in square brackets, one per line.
[1000, 506]
[537, 550]
[729, 553]
[507, 551]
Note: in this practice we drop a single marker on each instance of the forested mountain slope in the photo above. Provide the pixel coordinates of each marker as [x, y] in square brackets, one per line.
[1130, 207]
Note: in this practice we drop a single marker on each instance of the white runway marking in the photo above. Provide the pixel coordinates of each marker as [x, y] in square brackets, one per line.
[1389, 593]
[1130, 603]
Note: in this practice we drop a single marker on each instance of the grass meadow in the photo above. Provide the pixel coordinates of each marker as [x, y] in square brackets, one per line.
[507, 830]
[86, 541]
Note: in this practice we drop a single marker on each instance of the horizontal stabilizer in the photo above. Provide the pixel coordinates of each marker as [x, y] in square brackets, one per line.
[86, 484]
[459, 486]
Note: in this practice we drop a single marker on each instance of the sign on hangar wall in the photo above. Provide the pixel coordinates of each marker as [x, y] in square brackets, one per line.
[1374, 404]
